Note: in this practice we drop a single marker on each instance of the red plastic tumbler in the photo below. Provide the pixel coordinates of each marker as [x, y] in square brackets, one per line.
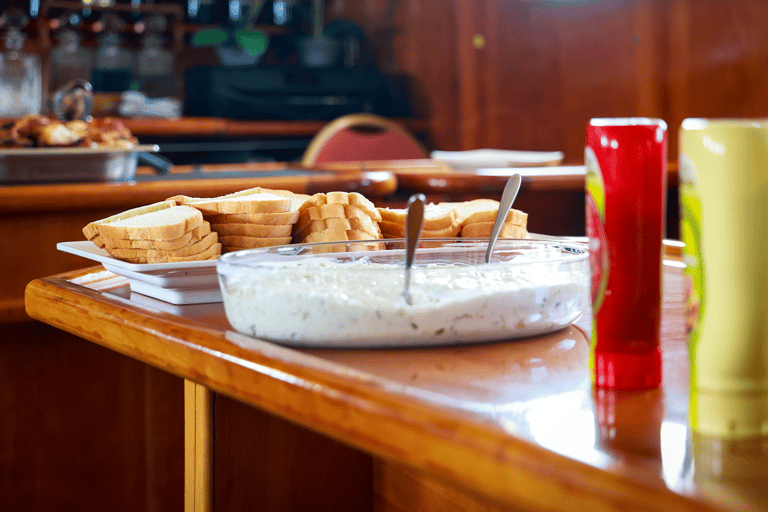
[626, 184]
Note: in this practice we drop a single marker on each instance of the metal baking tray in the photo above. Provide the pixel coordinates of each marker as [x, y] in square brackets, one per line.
[68, 164]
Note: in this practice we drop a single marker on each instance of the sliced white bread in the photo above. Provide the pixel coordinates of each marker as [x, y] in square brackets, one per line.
[363, 223]
[262, 202]
[156, 255]
[436, 216]
[396, 230]
[483, 230]
[343, 198]
[342, 236]
[91, 231]
[272, 219]
[212, 253]
[187, 238]
[466, 208]
[238, 242]
[514, 217]
[255, 230]
[249, 201]
[336, 235]
[331, 211]
[158, 224]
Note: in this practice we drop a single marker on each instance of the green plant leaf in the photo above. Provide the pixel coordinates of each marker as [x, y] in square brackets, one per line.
[209, 37]
[254, 42]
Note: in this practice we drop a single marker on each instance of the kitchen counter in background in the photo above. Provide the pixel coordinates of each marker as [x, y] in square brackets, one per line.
[208, 139]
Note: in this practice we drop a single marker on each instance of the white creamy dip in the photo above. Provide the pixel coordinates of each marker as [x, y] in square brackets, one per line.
[316, 301]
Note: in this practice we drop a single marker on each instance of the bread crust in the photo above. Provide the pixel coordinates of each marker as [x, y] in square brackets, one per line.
[262, 202]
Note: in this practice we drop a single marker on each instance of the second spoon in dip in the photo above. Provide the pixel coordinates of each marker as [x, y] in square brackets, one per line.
[507, 198]
[414, 220]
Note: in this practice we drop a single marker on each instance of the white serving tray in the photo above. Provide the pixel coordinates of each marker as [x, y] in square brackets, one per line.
[187, 282]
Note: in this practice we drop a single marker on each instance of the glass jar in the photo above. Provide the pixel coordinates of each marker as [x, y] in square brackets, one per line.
[154, 63]
[69, 60]
[21, 84]
[113, 67]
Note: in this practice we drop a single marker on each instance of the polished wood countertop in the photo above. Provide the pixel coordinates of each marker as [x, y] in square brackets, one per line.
[219, 127]
[197, 181]
[225, 128]
[515, 423]
[432, 176]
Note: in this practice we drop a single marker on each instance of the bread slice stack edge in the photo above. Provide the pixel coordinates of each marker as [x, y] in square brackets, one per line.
[251, 218]
[158, 233]
[476, 219]
[184, 228]
[468, 219]
[338, 217]
[439, 222]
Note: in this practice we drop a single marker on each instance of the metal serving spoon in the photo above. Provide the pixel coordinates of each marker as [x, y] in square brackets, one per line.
[507, 198]
[414, 221]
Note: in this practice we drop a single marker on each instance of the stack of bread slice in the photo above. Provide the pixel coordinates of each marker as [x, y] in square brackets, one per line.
[472, 219]
[157, 233]
[184, 228]
[250, 218]
[337, 217]
[476, 219]
[439, 221]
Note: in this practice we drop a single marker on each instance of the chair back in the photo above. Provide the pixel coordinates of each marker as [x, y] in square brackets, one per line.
[357, 137]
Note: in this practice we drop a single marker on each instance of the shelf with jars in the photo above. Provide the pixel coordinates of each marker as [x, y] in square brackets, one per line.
[50, 13]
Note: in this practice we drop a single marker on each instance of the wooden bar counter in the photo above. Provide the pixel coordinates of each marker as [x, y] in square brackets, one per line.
[511, 425]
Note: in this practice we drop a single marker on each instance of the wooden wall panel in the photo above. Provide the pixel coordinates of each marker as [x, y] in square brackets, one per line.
[401, 489]
[84, 428]
[415, 37]
[265, 463]
[539, 70]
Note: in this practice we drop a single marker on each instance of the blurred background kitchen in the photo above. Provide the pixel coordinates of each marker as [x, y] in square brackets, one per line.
[280, 60]
[523, 75]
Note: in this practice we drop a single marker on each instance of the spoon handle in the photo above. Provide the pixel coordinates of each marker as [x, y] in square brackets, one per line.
[507, 198]
[414, 220]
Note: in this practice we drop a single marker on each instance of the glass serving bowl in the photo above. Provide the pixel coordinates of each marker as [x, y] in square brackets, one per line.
[350, 294]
